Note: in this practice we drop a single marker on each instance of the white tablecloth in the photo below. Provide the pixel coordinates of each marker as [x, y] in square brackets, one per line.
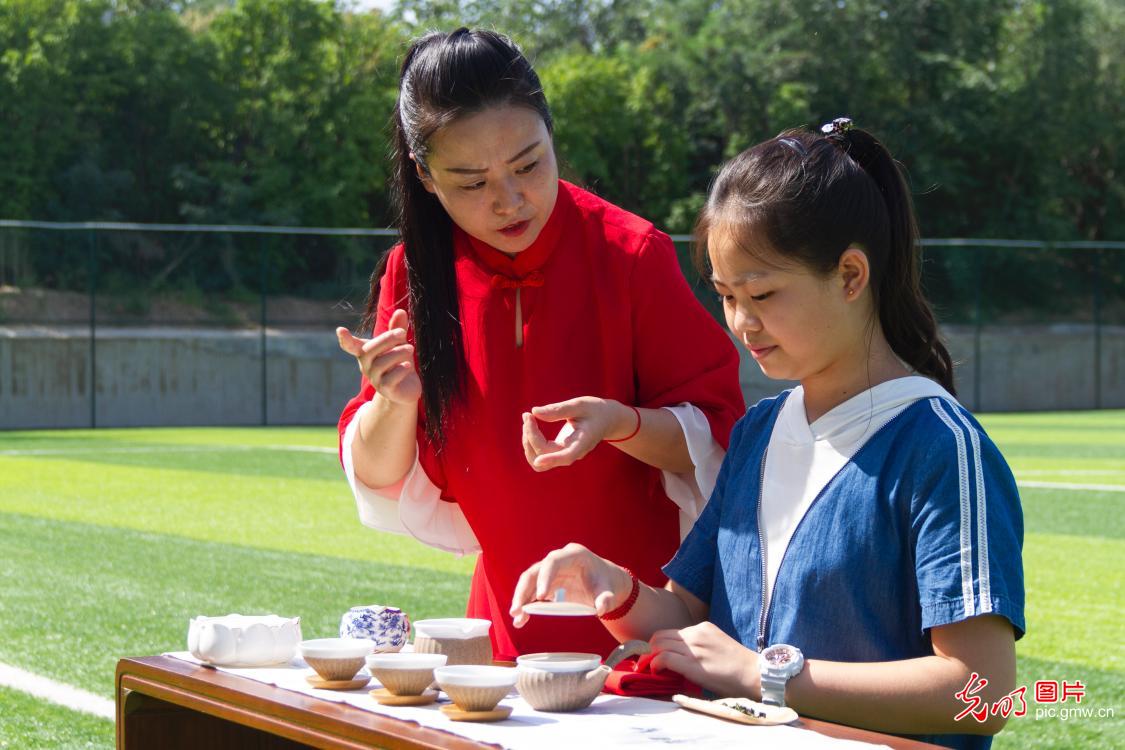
[612, 721]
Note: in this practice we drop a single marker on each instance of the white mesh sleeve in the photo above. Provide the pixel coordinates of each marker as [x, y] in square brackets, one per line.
[691, 491]
[413, 507]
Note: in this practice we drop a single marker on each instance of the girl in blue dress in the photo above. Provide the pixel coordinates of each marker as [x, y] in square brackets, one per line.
[860, 557]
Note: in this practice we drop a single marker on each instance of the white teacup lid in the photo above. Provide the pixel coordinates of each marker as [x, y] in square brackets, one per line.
[559, 609]
[559, 661]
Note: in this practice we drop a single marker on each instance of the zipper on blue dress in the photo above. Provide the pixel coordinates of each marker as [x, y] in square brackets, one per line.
[761, 541]
[762, 551]
[764, 619]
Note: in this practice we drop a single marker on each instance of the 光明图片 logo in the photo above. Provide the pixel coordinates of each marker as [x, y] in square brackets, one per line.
[1048, 694]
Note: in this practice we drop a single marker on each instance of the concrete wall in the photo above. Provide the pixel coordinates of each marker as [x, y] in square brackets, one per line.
[1022, 368]
[213, 377]
[171, 377]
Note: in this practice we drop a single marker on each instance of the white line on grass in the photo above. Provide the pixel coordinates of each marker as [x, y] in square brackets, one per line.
[56, 692]
[166, 449]
[1070, 486]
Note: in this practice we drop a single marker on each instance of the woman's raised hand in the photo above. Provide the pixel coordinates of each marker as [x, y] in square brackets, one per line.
[585, 577]
[589, 421]
[387, 360]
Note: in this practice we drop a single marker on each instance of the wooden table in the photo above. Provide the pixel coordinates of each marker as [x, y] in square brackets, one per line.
[170, 704]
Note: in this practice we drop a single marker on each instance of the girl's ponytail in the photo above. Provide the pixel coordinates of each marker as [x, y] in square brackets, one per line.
[811, 196]
[904, 313]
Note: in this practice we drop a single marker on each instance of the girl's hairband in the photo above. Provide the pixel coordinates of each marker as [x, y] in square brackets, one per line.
[836, 131]
[796, 146]
[838, 128]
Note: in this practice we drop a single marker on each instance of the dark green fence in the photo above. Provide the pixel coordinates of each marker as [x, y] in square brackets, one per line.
[120, 324]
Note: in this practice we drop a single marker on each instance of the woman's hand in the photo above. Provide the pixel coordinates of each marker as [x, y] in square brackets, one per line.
[589, 421]
[387, 361]
[710, 658]
[585, 577]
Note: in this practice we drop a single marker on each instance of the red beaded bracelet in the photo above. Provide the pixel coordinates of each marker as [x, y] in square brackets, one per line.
[627, 605]
[636, 429]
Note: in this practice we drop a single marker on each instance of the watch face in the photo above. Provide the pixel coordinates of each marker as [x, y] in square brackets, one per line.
[778, 656]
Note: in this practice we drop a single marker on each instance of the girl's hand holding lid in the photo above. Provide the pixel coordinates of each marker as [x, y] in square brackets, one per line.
[583, 576]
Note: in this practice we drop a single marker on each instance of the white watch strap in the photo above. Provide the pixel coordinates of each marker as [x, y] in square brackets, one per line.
[773, 690]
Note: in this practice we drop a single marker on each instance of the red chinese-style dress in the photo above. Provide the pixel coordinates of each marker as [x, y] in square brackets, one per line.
[603, 310]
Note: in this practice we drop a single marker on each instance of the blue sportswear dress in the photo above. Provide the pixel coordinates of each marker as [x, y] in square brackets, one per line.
[921, 528]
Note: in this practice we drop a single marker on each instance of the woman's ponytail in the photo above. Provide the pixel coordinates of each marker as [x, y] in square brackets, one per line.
[443, 77]
[426, 233]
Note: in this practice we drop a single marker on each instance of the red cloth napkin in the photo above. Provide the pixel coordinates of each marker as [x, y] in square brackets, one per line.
[636, 678]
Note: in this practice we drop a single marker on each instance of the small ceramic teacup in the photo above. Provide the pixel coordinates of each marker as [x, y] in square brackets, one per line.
[560, 681]
[388, 628]
[474, 687]
[335, 659]
[404, 674]
[462, 639]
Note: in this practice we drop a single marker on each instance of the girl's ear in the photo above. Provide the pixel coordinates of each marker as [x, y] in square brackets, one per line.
[855, 272]
[423, 176]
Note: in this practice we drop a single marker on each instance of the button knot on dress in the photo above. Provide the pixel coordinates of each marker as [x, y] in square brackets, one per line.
[533, 279]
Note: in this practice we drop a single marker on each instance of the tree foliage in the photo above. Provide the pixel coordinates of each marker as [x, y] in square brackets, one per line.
[1007, 113]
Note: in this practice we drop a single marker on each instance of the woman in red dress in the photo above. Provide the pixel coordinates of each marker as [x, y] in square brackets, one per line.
[538, 370]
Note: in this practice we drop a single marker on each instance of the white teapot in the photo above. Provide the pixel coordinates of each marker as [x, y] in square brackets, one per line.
[244, 640]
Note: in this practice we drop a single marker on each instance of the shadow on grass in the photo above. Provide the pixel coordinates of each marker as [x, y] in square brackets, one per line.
[74, 598]
[248, 460]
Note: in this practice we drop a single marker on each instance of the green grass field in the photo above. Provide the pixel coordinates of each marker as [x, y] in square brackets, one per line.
[111, 539]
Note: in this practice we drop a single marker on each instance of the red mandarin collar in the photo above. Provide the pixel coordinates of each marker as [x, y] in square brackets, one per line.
[524, 270]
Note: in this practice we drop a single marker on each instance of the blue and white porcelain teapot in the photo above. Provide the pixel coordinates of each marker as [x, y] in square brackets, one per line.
[387, 627]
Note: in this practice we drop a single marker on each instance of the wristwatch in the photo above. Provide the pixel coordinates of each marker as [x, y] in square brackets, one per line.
[778, 664]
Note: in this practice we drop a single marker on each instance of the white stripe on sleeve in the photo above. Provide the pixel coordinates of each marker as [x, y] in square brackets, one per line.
[982, 518]
[967, 596]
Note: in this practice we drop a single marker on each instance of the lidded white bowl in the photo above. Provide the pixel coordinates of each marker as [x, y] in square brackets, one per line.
[244, 640]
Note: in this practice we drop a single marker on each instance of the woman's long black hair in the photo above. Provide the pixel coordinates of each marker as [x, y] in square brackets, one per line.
[444, 77]
[811, 196]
